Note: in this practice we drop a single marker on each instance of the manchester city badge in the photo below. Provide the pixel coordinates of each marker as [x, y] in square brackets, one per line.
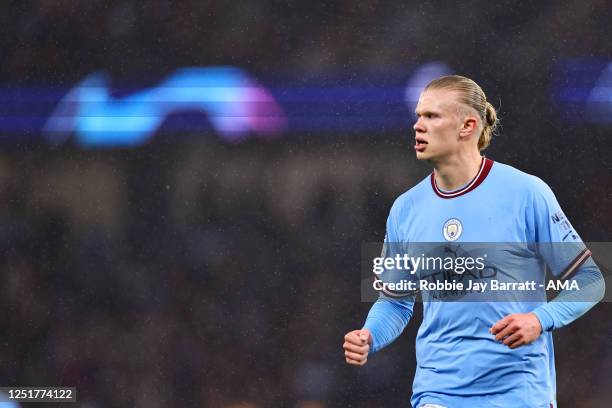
[452, 229]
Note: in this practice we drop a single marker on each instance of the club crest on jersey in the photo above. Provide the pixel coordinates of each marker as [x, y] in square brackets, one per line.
[452, 229]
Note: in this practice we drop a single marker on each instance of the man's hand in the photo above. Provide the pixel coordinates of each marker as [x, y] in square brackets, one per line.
[357, 346]
[517, 329]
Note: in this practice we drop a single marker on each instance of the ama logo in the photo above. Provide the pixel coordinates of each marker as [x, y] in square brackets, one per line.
[234, 104]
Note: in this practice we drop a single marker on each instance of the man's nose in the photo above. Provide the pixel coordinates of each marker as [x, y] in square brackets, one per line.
[418, 126]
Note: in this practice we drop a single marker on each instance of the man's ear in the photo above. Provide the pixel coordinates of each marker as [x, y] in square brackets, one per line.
[469, 125]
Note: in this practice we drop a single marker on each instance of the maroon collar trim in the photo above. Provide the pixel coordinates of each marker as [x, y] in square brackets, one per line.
[485, 167]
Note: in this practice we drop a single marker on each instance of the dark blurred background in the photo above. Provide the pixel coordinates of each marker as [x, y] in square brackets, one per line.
[199, 270]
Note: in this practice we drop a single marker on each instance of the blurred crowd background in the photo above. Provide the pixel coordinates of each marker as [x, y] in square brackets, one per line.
[195, 273]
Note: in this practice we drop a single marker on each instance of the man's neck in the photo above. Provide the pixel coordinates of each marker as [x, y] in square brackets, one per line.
[455, 172]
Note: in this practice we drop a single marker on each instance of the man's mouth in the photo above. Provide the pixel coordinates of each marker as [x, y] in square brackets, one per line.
[420, 144]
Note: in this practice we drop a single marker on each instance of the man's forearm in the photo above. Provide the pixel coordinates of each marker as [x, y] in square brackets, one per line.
[387, 319]
[571, 304]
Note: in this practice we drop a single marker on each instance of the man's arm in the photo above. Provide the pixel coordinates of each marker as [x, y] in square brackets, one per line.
[561, 248]
[388, 316]
[571, 304]
[519, 329]
[385, 322]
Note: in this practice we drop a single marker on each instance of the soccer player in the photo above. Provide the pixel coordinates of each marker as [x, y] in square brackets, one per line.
[479, 354]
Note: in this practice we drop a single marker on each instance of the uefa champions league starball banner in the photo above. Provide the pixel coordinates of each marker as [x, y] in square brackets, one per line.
[225, 101]
[234, 105]
[581, 90]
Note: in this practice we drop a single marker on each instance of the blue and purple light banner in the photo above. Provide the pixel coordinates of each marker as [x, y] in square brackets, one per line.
[582, 91]
[236, 106]
[227, 100]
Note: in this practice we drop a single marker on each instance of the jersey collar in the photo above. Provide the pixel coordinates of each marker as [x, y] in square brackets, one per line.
[485, 167]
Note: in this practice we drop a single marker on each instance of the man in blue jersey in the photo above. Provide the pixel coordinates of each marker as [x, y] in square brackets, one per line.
[496, 352]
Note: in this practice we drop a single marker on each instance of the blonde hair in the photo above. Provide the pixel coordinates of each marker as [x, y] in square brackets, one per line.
[472, 95]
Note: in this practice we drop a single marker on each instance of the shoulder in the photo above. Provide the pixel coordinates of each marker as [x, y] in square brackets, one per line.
[407, 200]
[519, 182]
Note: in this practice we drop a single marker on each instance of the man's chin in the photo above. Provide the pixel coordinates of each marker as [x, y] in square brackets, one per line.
[422, 156]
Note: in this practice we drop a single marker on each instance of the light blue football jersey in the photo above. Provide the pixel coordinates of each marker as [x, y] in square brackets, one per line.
[459, 363]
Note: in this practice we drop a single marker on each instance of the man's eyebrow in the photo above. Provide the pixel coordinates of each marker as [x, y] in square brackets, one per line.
[425, 112]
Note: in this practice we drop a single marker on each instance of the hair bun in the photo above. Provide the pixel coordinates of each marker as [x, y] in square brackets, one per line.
[490, 115]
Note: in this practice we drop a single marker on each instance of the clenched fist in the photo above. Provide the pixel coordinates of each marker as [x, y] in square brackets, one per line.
[357, 346]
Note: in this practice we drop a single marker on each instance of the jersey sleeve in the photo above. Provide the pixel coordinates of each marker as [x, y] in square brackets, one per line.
[558, 244]
[567, 257]
[389, 315]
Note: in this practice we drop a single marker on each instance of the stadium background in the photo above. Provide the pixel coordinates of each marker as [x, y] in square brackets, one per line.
[195, 272]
